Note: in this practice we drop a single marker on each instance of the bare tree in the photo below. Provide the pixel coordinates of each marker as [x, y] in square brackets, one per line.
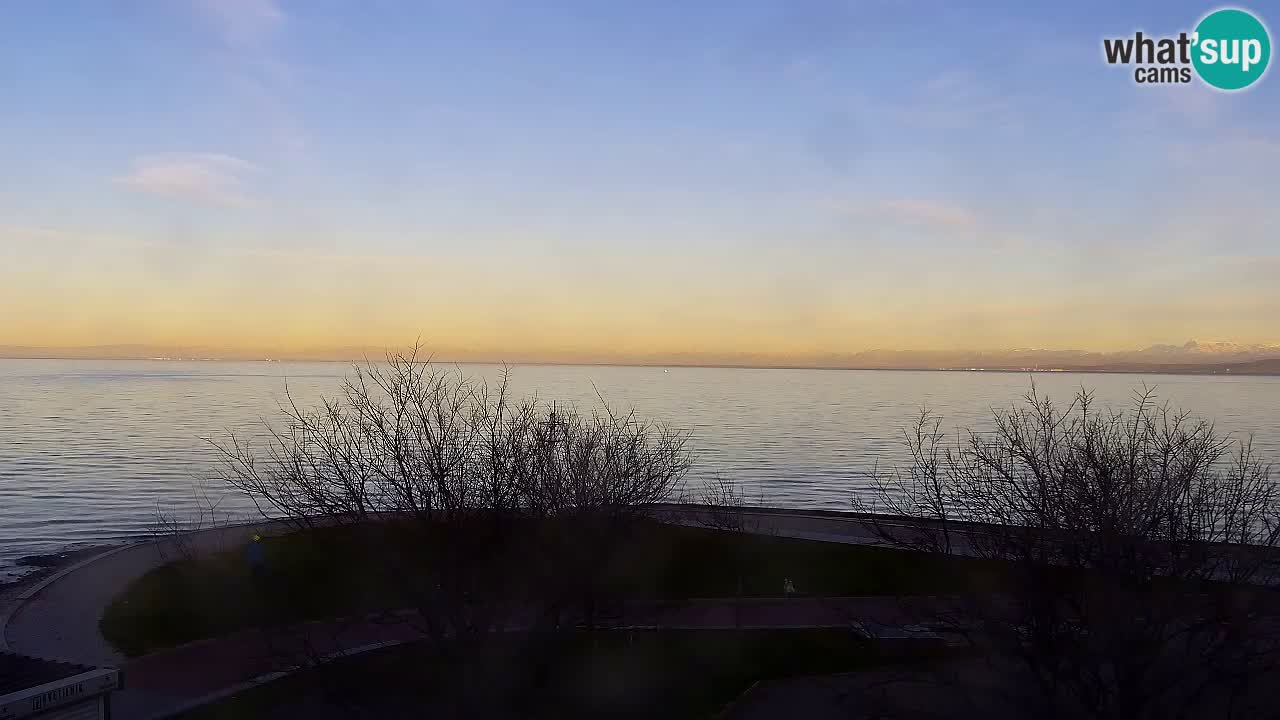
[919, 492]
[1138, 556]
[726, 506]
[727, 510]
[488, 512]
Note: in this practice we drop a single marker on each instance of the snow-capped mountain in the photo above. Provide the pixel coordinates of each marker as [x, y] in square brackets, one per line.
[1202, 351]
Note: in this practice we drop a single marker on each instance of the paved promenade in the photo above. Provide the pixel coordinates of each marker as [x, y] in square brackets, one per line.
[58, 617]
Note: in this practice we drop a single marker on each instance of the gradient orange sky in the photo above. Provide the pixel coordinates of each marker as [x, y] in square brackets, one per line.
[255, 175]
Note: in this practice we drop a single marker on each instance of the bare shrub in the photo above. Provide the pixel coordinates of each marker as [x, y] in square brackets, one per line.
[1139, 554]
[488, 512]
[175, 531]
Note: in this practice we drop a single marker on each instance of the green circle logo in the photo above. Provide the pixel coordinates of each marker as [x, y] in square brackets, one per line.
[1232, 49]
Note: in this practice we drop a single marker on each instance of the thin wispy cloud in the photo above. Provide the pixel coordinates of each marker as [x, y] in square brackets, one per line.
[1197, 105]
[930, 213]
[918, 212]
[242, 22]
[207, 178]
[1231, 150]
[249, 32]
[957, 99]
[45, 238]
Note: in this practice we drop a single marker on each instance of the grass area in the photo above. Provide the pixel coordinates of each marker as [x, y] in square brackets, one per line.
[669, 674]
[337, 571]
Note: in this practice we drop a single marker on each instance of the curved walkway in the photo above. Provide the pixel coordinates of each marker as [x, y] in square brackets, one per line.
[58, 617]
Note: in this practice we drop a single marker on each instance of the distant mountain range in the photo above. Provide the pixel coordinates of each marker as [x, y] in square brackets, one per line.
[140, 351]
[1192, 357]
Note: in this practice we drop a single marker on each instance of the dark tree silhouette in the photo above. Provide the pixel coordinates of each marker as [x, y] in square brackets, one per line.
[487, 512]
[1139, 548]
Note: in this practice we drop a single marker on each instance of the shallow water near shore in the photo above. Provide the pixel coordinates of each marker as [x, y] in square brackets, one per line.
[95, 452]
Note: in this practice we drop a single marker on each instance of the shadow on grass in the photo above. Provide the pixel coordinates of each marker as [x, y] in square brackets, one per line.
[344, 571]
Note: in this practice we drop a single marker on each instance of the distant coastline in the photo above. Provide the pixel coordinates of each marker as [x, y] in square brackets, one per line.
[1254, 368]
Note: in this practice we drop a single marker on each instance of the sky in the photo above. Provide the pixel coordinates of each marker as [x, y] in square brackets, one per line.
[588, 179]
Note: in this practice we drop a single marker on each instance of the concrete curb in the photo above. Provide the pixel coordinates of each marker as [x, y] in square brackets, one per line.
[261, 680]
[732, 706]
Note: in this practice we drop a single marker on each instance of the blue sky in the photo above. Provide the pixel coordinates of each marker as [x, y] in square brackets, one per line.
[580, 176]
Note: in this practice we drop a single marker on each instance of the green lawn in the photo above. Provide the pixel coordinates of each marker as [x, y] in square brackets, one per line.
[339, 571]
[669, 674]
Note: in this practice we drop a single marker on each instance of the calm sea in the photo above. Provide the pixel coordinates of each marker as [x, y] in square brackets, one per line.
[98, 451]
